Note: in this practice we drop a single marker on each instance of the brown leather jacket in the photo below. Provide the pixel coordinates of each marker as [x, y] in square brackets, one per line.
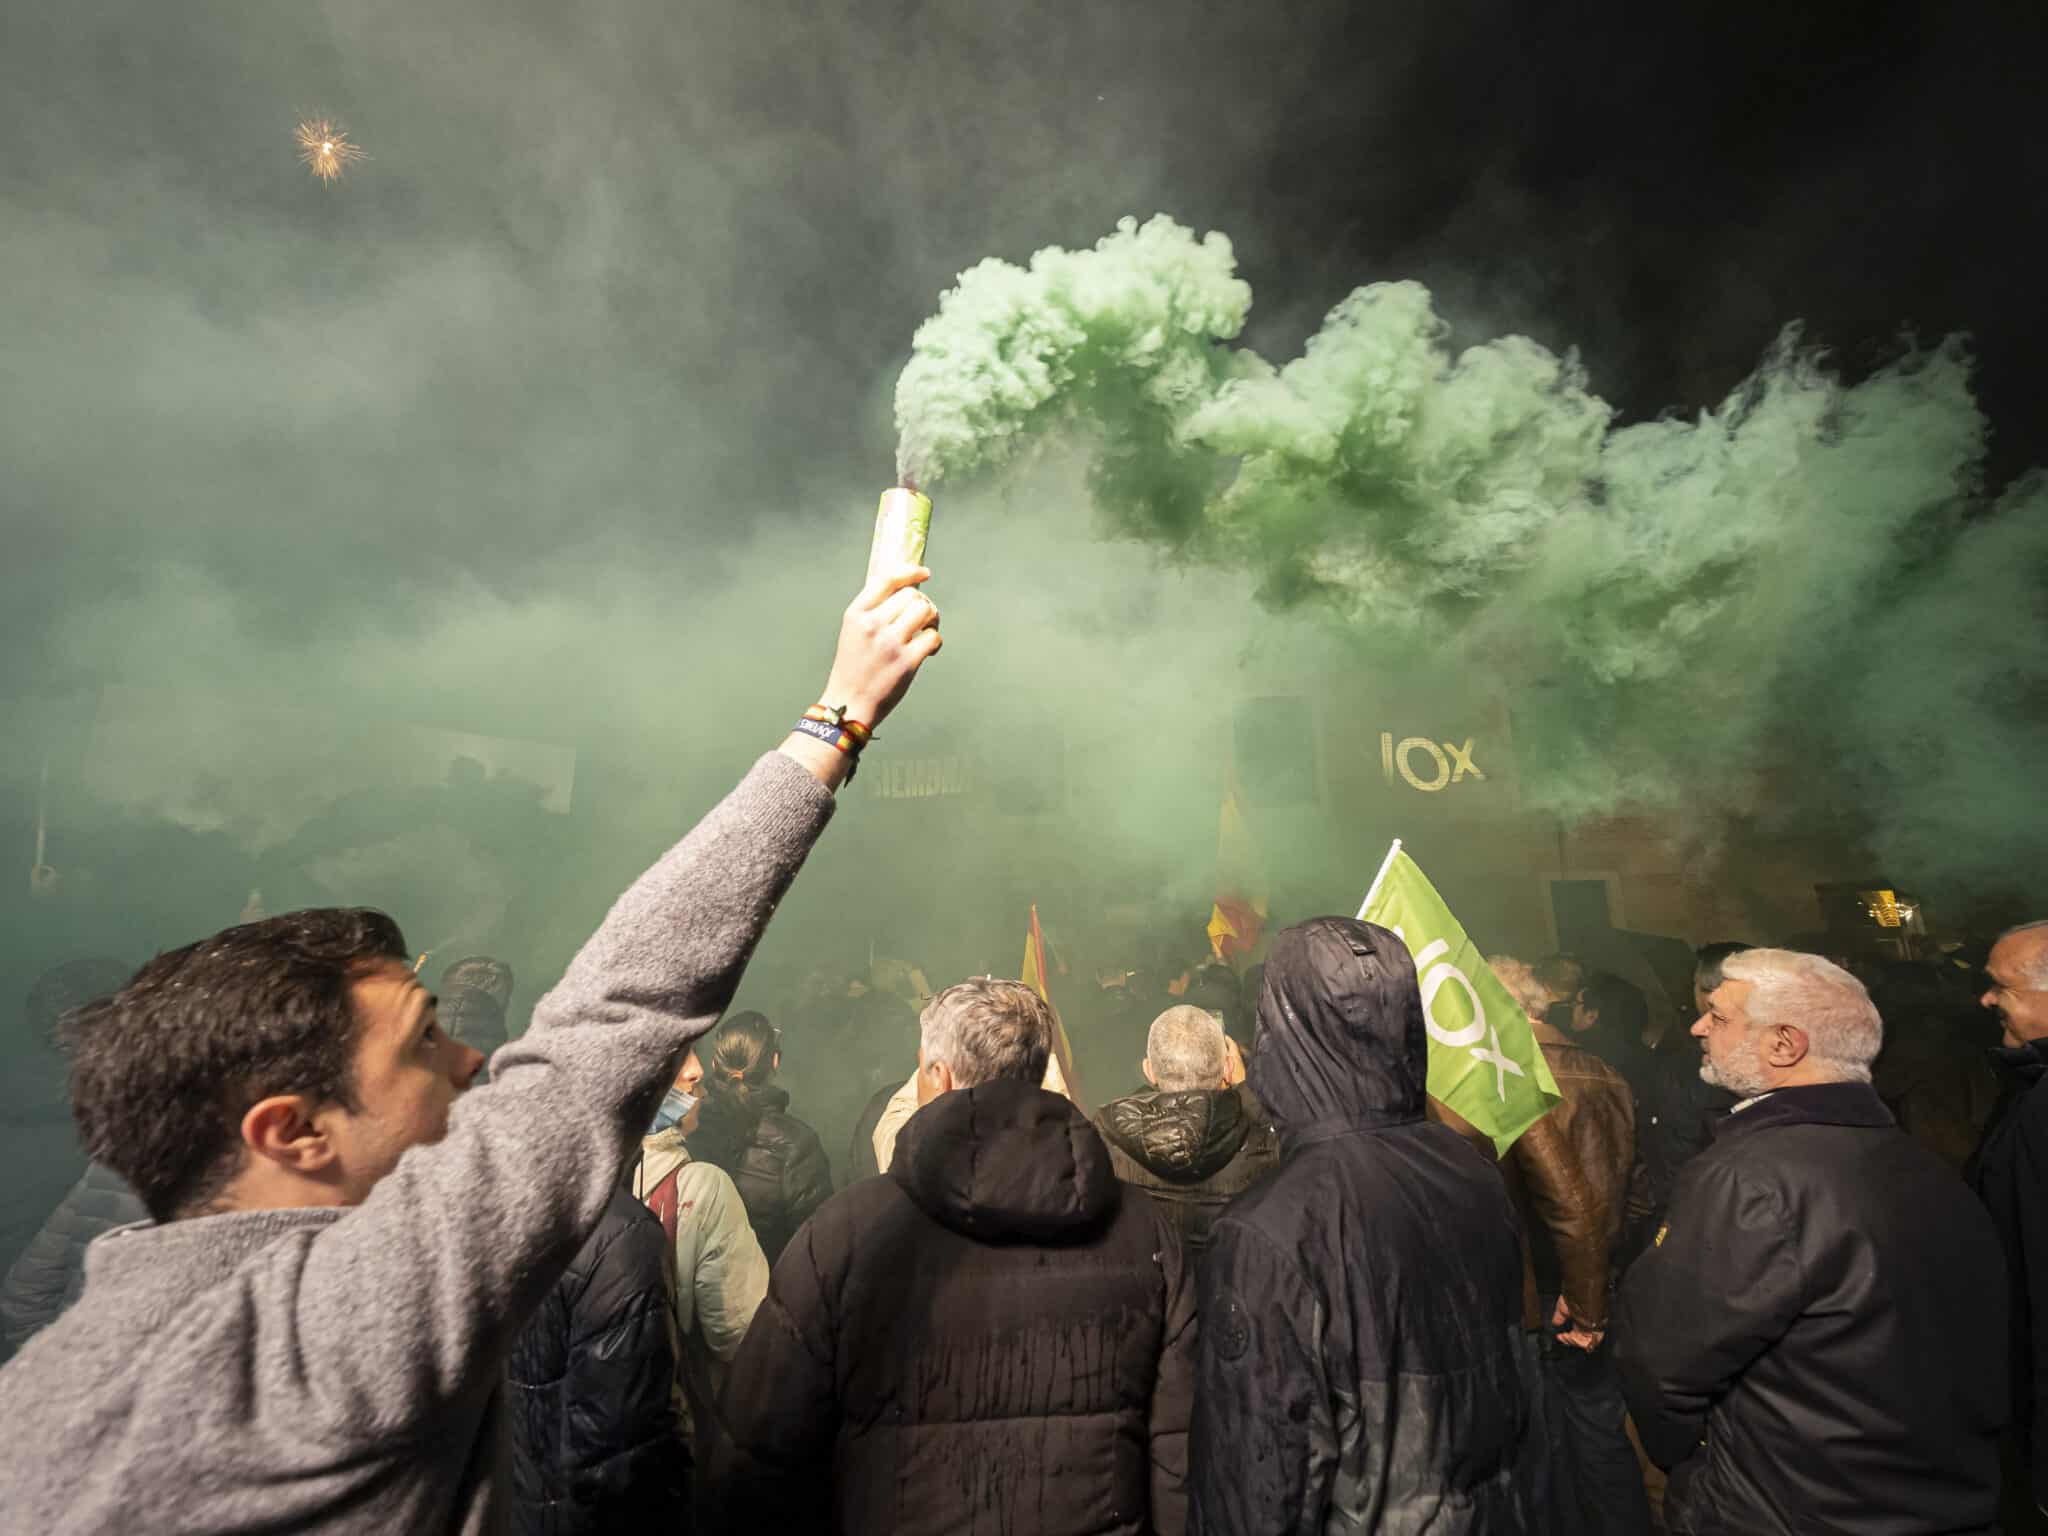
[1569, 1176]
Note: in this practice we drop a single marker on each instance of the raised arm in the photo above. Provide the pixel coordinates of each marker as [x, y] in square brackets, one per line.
[423, 1286]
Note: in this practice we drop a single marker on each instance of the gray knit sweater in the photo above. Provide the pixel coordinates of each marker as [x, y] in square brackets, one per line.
[338, 1370]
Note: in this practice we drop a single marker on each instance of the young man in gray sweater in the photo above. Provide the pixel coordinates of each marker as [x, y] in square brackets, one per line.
[310, 1334]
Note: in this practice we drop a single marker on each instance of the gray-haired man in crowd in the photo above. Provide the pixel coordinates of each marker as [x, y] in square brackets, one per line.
[1815, 1339]
[993, 1336]
[1199, 1137]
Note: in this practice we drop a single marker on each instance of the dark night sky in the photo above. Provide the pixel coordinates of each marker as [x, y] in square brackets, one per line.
[545, 403]
[720, 224]
[626, 282]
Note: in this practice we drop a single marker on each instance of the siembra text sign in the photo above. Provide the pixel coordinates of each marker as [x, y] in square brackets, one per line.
[918, 778]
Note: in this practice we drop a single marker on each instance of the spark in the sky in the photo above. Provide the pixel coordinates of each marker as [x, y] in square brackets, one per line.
[326, 149]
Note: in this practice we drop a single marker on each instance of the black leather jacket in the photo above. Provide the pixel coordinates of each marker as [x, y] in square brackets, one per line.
[600, 1439]
[1816, 1339]
[1191, 1152]
[774, 1159]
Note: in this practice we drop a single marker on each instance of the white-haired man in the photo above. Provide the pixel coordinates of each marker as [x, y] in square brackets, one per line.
[1815, 1341]
[1198, 1138]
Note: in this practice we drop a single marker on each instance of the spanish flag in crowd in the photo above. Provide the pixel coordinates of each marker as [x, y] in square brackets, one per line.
[1060, 1075]
[1238, 919]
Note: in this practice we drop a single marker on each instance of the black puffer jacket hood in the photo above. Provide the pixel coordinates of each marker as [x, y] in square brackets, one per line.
[1182, 1137]
[1341, 1043]
[1005, 1161]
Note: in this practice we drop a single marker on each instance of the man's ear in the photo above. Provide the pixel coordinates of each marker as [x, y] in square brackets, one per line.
[283, 1130]
[1592, 1017]
[1786, 1047]
[1145, 1066]
[939, 1075]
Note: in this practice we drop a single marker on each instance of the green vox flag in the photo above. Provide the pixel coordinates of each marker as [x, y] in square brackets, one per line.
[1483, 1058]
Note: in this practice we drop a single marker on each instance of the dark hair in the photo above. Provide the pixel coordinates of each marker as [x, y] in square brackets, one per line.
[163, 1071]
[742, 1057]
[64, 989]
[1624, 1011]
[1708, 959]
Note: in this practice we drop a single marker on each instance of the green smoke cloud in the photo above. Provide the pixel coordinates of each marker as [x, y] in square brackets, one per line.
[1794, 605]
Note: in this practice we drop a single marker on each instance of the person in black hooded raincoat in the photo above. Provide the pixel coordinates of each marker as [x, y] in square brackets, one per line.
[1360, 1366]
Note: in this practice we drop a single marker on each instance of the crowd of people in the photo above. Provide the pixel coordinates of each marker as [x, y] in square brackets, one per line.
[347, 1257]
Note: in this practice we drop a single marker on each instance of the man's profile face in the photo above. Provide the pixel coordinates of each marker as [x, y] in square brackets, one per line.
[2022, 1007]
[408, 1071]
[1731, 1056]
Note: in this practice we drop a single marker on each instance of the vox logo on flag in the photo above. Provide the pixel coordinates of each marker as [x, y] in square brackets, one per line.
[1484, 1061]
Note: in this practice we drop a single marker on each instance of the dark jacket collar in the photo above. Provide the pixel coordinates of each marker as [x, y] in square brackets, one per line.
[1808, 1104]
[2027, 1062]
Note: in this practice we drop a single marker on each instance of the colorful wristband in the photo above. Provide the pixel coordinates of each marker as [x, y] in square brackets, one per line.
[835, 715]
[833, 736]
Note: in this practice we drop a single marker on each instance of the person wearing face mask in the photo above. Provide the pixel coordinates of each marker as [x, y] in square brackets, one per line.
[721, 1272]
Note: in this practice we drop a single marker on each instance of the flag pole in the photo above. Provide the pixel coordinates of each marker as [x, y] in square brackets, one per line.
[1378, 879]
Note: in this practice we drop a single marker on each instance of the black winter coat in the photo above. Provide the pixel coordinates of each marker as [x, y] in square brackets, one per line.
[1816, 1342]
[51, 1270]
[1362, 1360]
[774, 1159]
[1191, 1152]
[2010, 1174]
[996, 1337]
[600, 1439]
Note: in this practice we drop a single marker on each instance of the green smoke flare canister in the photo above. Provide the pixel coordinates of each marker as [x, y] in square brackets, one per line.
[902, 524]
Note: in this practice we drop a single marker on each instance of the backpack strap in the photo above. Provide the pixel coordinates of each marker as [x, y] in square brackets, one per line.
[663, 1201]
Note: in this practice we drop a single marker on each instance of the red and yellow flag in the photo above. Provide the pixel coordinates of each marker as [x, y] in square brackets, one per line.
[1060, 1075]
[1238, 919]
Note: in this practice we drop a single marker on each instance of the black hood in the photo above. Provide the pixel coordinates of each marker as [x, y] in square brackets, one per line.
[1181, 1137]
[1340, 1039]
[1006, 1161]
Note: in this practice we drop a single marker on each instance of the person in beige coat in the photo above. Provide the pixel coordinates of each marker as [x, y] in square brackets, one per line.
[721, 1272]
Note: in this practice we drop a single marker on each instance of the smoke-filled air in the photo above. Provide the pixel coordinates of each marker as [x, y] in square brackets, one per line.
[1792, 601]
[1022, 768]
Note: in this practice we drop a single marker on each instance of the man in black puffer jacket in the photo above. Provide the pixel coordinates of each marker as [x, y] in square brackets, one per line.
[600, 1438]
[993, 1338]
[1199, 1138]
[1362, 1365]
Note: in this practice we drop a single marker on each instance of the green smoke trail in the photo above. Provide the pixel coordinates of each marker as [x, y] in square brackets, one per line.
[1776, 605]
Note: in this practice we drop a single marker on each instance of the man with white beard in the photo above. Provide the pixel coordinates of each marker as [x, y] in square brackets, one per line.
[1815, 1339]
